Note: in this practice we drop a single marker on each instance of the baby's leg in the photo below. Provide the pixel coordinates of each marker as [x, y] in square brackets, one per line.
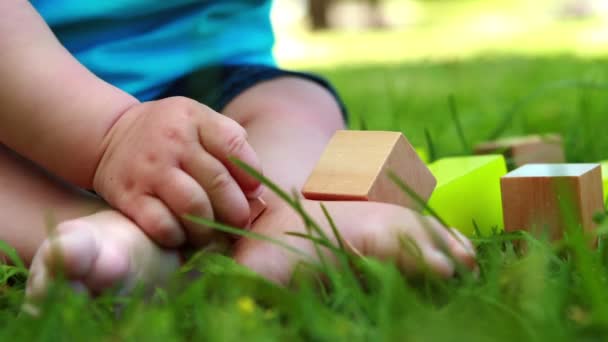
[98, 247]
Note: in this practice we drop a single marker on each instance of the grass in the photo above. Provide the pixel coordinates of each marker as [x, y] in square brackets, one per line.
[553, 292]
[560, 93]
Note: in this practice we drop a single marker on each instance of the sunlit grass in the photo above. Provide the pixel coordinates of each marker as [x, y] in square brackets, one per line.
[561, 94]
[437, 82]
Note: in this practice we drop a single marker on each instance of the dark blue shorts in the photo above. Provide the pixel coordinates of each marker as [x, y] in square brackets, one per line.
[217, 86]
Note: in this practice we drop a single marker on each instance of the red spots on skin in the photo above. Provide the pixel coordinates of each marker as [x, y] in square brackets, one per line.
[151, 158]
[176, 136]
[129, 184]
[172, 134]
[189, 113]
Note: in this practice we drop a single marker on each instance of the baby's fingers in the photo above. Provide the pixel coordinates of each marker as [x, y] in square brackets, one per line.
[229, 204]
[157, 221]
[224, 138]
[185, 196]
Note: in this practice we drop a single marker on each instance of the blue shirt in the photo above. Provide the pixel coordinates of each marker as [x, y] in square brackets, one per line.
[141, 46]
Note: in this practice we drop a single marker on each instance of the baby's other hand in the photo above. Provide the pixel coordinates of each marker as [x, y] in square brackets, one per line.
[170, 157]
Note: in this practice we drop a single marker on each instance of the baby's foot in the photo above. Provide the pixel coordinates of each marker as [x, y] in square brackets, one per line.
[97, 252]
[369, 228]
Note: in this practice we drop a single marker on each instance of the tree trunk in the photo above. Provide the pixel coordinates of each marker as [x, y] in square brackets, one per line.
[317, 11]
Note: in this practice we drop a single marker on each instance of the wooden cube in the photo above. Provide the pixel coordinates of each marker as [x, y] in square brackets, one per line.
[525, 150]
[541, 197]
[468, 189]
[355, 165]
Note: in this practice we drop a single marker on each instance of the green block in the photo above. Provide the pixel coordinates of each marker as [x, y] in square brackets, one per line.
[604, 165]
[423, 154]
[468, 188]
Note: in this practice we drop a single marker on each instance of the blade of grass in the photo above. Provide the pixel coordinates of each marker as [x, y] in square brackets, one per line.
[392, 96]
[244, 233]
[456, 118]
[460, 267]
[323, 238]
[419, 201]
[309, 222]
[476, 229]
[316, 240]
[410, 246]
[524, 323]
[430, 145]
[504, 237]
[293, 202]
[332, 224]
[539, 92]
[346, 258]
[362, 124]
[12, 255]
[585, 123]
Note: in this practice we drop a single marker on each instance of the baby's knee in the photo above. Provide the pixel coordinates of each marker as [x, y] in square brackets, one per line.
[311, 100]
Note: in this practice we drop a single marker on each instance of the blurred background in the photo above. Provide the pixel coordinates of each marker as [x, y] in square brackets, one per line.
[333, 32]
[450, 73]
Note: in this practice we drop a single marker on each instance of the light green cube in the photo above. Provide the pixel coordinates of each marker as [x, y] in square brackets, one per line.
[604, 165]
[468, 188]
[423, 154]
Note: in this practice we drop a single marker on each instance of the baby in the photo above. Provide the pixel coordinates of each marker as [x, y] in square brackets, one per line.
[124, 98]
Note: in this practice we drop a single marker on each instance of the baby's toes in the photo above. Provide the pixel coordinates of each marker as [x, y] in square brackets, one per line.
[110, 268]
[38, 279]
[437, 262]
[414, 255]
[70, 254]
[461, 248]
[452, 242]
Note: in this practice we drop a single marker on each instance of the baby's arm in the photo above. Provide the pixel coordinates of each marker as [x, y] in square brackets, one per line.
[53, 110]
[153, 161]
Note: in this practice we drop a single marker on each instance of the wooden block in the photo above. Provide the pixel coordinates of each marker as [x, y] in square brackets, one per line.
[468, 189]
[537, 197]
[256, 207]
[525, 150]
[355, 165]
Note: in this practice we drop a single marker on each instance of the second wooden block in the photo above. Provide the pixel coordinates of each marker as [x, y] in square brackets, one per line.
[355, 166]
[525, 150]
[537, 197]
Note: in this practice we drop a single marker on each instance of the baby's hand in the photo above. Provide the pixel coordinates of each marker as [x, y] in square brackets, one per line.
[167, 158]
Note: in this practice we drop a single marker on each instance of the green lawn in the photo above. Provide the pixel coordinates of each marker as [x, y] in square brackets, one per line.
[553, 292]
[560, 93]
